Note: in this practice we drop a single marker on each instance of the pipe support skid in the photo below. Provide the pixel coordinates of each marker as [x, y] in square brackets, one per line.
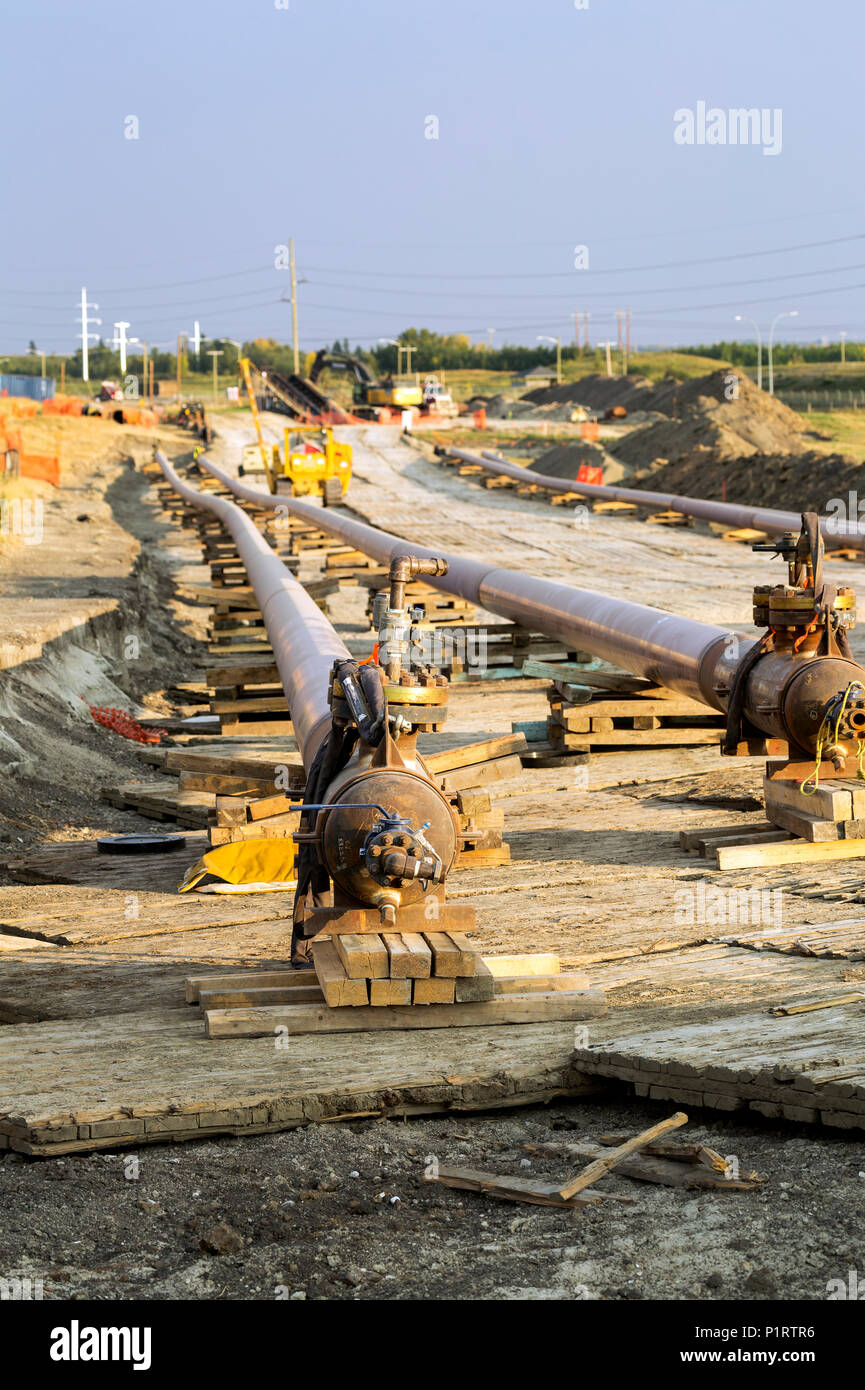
[850, 534]
[304, 644]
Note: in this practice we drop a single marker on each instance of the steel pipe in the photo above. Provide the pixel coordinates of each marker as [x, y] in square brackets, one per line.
[783, 695]
[850, 534]
[304, 644]
[661, 646]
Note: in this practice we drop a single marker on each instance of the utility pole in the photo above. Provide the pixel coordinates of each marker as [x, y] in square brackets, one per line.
[63, 377]
[619, 329]
[294, 305]
[42, 355]
[586, 343]
[180, 338]
[150, 392]
[196, 337]
[608, 345]
[843, 350]
[120, 340]
[215, 353]
[408, 352]
[628, 333]
[85, 333]
[144, 347]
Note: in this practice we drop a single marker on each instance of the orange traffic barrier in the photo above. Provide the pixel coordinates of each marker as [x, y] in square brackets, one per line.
[44, 466]
[480, 418]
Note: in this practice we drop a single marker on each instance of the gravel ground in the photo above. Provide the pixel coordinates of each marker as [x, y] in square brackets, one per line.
[343, 1211]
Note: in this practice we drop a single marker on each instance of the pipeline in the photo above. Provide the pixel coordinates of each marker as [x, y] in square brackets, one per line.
[849, 534]
[304, 644]
[377, 835]
[780, 687]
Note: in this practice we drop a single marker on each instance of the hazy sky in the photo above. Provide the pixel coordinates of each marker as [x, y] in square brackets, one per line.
[555, 129]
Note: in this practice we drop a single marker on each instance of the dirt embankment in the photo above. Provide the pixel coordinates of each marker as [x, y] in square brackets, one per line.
[93, 599]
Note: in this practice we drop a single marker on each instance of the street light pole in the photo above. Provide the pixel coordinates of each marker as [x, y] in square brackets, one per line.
[544, 338]
[739, 318]
[786, 314]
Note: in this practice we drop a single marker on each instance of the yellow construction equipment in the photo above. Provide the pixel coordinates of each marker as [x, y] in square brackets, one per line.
[315, 463]
[266, 456]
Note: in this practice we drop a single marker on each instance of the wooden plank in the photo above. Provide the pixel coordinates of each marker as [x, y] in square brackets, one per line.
[477, 988]
[513, 1189]
[246, 979]
[649, 1166]
[540, 984]
[483, 857]
[245, 998]
[481, 752]
[513, 966]
[383, 993]
[788, 852]
[445, 956]
[831, 800]
[806, 827]
[599, 1167]
[435, 990]
[339, 991]
[229, 786]
[307, 1018]
[253, 673]
[420, 954]
[582, 675]
[272, 806]
[415, 916]
[364, 957]
[666, 737]
[470, 959]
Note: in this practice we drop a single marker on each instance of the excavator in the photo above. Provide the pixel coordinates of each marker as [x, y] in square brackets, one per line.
[369, 394]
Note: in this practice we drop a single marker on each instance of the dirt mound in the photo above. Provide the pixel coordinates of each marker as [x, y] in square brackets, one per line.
[564, 460]
[805, 481]
[707, 419]
[598, 393]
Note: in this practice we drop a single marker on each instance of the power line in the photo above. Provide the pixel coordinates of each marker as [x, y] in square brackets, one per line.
[474, 276]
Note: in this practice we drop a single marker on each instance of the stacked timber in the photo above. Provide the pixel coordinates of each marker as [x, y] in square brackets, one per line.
[367, 981]
[236, 818]
[583, 719]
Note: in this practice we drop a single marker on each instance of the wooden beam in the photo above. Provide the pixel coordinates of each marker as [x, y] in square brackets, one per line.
[310, 1018]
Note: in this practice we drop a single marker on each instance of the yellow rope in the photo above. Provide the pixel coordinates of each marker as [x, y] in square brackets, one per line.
[822, 734]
